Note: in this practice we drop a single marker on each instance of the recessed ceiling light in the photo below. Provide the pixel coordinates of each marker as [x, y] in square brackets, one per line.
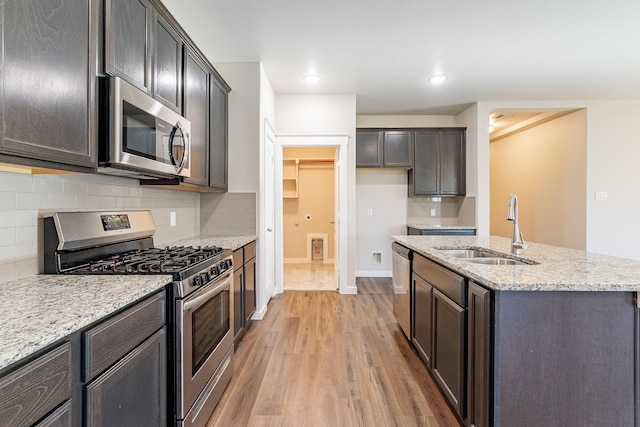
[437, 79]
[311, 79]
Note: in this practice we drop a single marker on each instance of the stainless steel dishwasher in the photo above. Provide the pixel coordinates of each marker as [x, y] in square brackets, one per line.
[401, 281]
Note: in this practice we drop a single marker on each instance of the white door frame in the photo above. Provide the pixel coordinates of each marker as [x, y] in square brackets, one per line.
[340, 142]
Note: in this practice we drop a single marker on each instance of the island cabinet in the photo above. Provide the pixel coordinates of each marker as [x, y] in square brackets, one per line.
[439, 297]
[112, 373]
[48, 84]
[479, 341]
[376, 148]
[244, 285]
[439, 163]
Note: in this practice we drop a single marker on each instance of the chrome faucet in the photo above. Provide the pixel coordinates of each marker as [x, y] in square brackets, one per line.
[517, 241]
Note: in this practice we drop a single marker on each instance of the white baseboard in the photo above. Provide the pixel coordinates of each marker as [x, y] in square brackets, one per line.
[259, 314]
[376, 273]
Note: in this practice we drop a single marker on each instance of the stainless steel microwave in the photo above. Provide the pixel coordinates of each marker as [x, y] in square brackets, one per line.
[138, 136]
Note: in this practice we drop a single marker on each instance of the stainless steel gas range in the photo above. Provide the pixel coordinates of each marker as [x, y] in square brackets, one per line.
[201, 345]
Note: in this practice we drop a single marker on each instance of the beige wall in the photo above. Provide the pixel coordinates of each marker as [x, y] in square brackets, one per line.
[315, 197]
[546, 167]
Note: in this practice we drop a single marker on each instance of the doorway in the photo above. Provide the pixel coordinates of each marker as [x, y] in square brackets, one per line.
[308, 218]
[284, 185]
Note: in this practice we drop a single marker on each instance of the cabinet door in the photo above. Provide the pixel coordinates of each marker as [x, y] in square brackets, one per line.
[423, 178]
[452, 168]
[249, 289]
[422, 317]
[218, 139]
[448, 361]
[238, 301]
[368, 149]
[33, 390]
[133, 392]
[478, 350]
[47, 73]
[61, 417]
[127, 41]
[397, 149]
[167, 47]
[196, 110]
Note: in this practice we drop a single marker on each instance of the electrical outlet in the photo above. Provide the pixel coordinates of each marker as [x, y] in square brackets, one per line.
[172, 219]
[433, 212]
[370, 212]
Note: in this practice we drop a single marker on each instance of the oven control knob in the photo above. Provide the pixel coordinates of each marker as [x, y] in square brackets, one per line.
[197, 281]
[229, 263]
[215, 270]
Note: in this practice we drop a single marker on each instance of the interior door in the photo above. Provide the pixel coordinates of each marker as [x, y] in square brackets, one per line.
[269, 210]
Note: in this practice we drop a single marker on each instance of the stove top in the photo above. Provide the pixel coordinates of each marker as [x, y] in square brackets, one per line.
[169, 260]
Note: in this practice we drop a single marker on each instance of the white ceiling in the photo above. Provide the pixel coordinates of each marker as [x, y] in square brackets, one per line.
[384, 51]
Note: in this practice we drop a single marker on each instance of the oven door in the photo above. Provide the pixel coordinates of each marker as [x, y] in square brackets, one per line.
[204, 336]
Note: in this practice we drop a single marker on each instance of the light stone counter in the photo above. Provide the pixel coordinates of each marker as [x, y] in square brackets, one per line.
[558, 269]
[225, 242]
[440, 227]
[39, 310]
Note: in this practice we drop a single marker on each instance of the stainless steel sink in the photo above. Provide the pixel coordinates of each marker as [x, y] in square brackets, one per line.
[495, 261]
[467, 253]
[483, 256]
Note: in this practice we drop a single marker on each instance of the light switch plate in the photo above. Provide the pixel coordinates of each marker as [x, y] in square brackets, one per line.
[370, 212]
[172, 219]
[602, 195]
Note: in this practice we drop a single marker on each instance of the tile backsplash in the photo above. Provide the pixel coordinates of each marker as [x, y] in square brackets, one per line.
[25, 199]
[225, 214]
[448, 211]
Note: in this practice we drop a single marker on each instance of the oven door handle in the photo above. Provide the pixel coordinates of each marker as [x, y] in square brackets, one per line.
[198, 300]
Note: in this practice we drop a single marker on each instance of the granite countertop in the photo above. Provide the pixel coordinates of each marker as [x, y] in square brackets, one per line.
[226, 242]
[558, 269]
[40, 310]
[440, 227]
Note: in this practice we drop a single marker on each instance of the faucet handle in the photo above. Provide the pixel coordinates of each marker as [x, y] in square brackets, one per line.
[523, 245]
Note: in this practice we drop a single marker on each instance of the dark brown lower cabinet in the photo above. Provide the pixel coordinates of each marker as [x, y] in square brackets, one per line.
[113, 373]
[30, 392]
[244, 289]
[422, 318]
[448, 360]
[132, 392]
[479, 355]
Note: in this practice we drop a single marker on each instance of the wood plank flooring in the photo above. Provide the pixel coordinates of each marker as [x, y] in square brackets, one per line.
[314, 276]
[325, 359]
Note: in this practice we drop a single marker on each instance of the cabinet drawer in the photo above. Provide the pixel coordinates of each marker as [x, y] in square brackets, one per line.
[249, 251]
[29, 393]
[449, 283]
[109, 341]
[238, 258]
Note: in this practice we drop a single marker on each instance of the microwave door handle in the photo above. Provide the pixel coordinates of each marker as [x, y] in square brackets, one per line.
[185, 154]
[196, 302]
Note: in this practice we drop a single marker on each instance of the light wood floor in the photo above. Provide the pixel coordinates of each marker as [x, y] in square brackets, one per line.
[325, 359]
[314, 276]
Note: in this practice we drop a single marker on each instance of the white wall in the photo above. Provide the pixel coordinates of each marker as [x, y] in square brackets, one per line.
[613, 150]
[326, 115]
[384, 191]
[391, 121]
[613, 166]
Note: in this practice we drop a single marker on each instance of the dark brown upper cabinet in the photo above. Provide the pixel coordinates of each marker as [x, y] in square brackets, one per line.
[439, 163]
[128, 34]
[167, 49]
[196, 110]
[48, 83]
[384, 148]
[218, 138]
[144, 49]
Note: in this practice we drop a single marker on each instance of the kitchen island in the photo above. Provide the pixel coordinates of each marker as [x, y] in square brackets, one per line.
[550, 342]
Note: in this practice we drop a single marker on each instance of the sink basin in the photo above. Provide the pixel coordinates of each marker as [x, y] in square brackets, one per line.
[467, 253]
[495, 261]
[483, 256]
